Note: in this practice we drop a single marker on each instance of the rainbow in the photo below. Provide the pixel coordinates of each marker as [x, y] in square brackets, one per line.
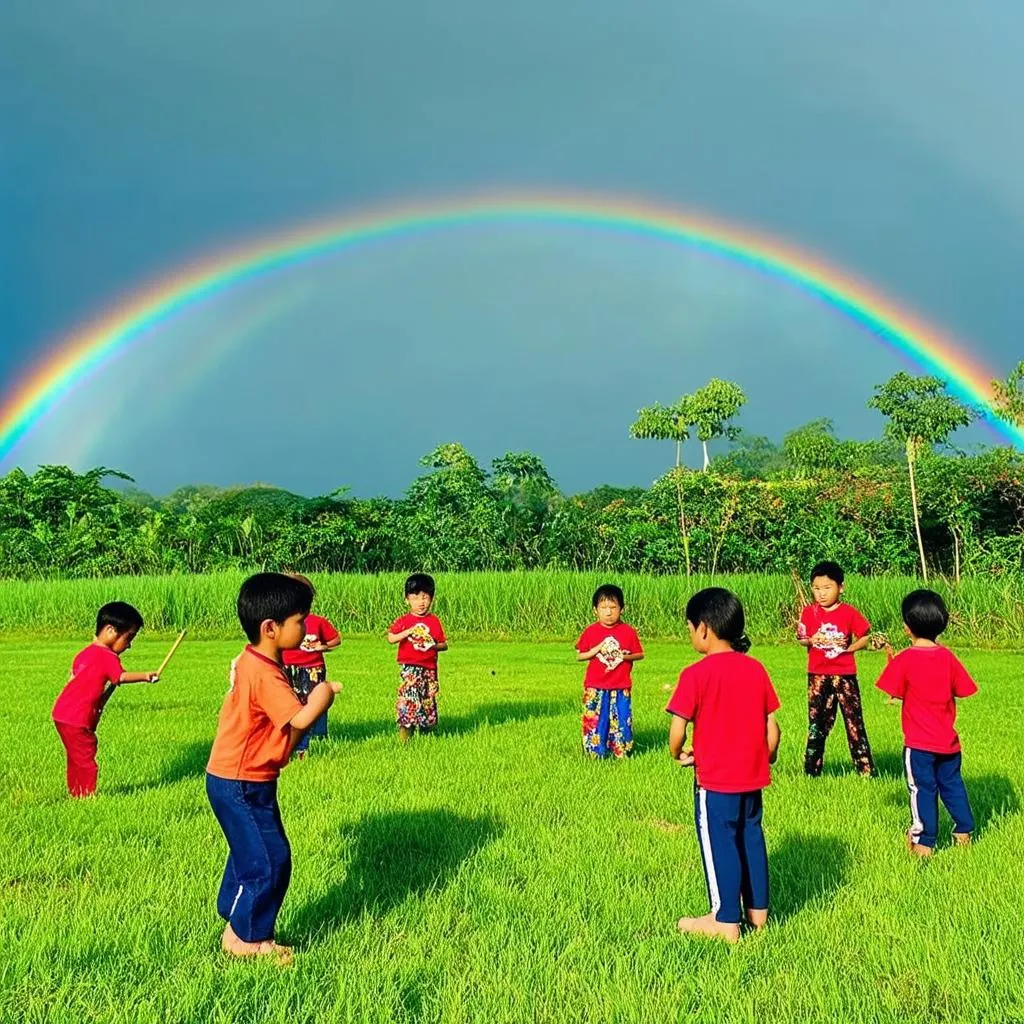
[86, 351]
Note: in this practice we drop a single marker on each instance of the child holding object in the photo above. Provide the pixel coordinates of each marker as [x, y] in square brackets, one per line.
[260, 723]
[419, 636]
[833, 631]
[731, 702]
[927, 679]
[95, 672]
[609, 646]
[306, 666]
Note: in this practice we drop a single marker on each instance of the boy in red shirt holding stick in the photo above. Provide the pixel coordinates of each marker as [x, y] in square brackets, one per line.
[95, 672]
[731, 702]
[260, 723]
[833, 631]
[928, 679]
[609, 647]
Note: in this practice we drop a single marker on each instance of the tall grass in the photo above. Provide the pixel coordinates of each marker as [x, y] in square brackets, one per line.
[533, 605]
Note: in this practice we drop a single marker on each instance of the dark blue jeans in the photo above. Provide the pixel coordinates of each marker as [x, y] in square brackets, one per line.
[733, 850]
[930, 776]
[259, 864]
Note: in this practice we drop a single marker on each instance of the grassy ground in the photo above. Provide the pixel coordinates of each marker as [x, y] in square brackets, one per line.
[488, 873]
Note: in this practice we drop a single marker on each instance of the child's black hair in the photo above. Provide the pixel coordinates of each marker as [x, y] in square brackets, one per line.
[720, 610]
[419, 583]
[609, 592]
[830, 570]
[925, 614]
[270, 595]
[122, 617]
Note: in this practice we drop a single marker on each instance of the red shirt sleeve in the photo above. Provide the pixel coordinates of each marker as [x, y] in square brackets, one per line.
[398, 625]
[963, 684]
[683, 701]
[635, 647]
[583, 644]
[893, 681]
[328, 632]
[859, 626]
[440, 638]
[276, 698]
[805, 628]
[111, 667]
[771, 698]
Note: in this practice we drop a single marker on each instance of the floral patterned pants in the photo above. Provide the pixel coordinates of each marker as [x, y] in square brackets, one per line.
[824, 695]
[607, 722]
[416, 707]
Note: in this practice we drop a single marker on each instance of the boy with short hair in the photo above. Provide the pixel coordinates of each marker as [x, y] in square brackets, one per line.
[95, 672]
[419, 636]
[260, 722]
[609, 646]
[306, 667]
[833, 631]
[927, 679]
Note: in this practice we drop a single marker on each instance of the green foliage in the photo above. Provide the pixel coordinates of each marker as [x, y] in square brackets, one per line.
[1009, 396]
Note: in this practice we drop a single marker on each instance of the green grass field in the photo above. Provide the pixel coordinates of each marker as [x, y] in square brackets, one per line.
[488, 873]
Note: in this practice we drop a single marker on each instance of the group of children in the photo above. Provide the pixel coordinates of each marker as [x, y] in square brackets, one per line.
[278, 696]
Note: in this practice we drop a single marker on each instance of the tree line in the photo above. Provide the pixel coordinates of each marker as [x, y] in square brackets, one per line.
[906, 502]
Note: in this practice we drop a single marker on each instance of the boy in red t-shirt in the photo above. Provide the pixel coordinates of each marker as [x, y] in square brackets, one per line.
[306, 666]
[95, 672]
[260, 722]
[928, 679]
[833, 631]
[419, 636]
[731, 702]
[609, 647]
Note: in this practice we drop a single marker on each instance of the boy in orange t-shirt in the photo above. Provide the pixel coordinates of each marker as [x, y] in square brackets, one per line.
[260, 722]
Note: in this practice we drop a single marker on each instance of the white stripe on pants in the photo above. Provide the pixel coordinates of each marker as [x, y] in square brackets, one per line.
[916, 824]
[709, 859]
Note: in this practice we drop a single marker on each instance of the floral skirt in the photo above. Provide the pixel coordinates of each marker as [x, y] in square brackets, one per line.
[416, 707]
[607, 722]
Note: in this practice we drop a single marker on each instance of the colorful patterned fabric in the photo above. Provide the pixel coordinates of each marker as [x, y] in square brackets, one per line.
[416, 707]
[824, 695]
[607, 722]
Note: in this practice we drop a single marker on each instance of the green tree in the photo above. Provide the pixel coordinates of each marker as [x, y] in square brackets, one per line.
[710, 409]
[921, 414]
[1009, 396]
[669, 423]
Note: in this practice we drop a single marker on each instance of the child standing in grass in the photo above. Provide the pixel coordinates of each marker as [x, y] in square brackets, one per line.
[420, 636]
[833, 631]
[260, 723]
[609, 646]
[731, 702]
[95, 672]
[306, 667]
[928, 679]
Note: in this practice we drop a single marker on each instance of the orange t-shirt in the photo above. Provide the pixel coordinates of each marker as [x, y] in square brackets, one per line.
[252, 731]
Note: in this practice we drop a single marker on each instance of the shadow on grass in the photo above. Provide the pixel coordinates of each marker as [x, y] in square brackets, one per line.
[805, 868]
[991, 796]
[888, 764]
[507, 713]
[187, 762]
[394, 857]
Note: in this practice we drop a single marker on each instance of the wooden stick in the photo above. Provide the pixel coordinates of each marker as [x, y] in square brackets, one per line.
[170, 653]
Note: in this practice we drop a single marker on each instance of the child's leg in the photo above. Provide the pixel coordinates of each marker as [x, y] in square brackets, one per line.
[717, 816]
[853, 718]
[924, 799]
[260, 857]
[80, 747]
[596, 720]
[753, 859]
[821, 716]
[318, 730]
[407, 703]
[954, 796]
[427, 720]
[620, 722]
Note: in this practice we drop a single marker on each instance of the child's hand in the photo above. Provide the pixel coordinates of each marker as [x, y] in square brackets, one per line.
[686, 759]
[336, 688]
[153, 677]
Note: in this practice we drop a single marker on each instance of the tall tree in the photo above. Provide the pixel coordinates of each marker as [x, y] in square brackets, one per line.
[711, 408]
[1010, 396]
[921, 414]
[669, 423]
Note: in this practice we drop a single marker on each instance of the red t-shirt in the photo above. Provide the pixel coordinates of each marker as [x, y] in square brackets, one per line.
[606, 670]
[839, 626]
[252, 730]
[728, 697]
[83, 697]
[318, 631]
[928, 680]
[421, 647]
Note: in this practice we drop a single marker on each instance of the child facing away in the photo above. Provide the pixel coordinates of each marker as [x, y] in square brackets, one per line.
[927, 679]
[260, 723]
[609, 646]
[731, 702]
[95, 672]
[306, 667]
[833, 631]
[419, 636]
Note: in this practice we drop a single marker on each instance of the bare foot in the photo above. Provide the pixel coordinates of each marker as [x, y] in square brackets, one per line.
[404, 735]
[962, 838]
[757, 919]
[917, 849]
[709, 927]
[234, 946]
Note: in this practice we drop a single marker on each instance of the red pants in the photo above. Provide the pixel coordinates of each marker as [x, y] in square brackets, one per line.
[80, 744]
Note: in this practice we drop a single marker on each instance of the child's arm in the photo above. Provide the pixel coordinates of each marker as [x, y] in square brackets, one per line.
[137, 677]
[592, 653]
[858, 644]
[321, 697]
[629, 656]
[329, 645]
[774, 735]
[677, 739]
[397, 638]
[442, 646]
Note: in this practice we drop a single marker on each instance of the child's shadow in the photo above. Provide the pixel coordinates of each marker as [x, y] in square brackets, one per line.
[888, 764]
[395, 856]
[804, 868]
[991, 797]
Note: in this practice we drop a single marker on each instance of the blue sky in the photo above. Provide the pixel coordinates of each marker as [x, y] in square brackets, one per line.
[137, 137]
